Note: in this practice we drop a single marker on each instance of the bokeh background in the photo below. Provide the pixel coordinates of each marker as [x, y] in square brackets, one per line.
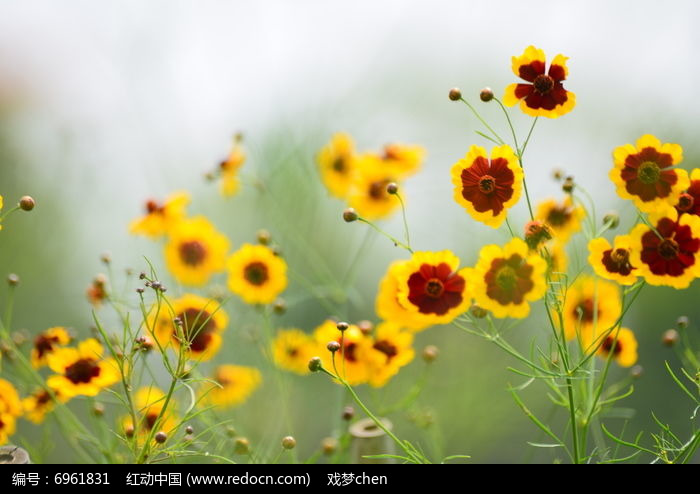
[105, 104]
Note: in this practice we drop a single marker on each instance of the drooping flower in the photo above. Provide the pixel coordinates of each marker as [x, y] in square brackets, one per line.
[368, 193]
[403, 160]
[505, 279]
[669, 254]
[613, 262]
[256, 274]
[591, 307]
[39, 403]
[336, 163]
[195, 251]
[488, 188]
[82, 370]
[10, 409]
[161, 217]
[393, 347]
[235, 385]
[293, 348]
[196, 323]
[564, 218]
[149, 403]
[544, 95]
[645, 173]
[228, 168]
[46, 343]
[689, 201]
[624, 349]
[355, 351]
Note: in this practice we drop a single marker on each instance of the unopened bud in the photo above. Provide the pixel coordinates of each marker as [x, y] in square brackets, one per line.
[98, 409]
[280, 306]
[348, 413]
[557, 174]
[365, 326]
[455, 94]
[315, 364]
[342, 326]
[106, 258]
[670, 337]
[333, 346]
[349, 215]
[486, 94]
[189, 429]
[12, 279]
[263, 237]
[329, 445]
[568, 185]
[430, 353]
[478, 312]
[161, 437]
[289, 442]
[682, 322]
[612, 219]
[637, 371]
[129, 431]
[241, 446]
[26, 203]
[392, 188]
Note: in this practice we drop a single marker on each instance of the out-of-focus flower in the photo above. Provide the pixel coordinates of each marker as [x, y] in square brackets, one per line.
[336, 163]
[564, 218]
[235, 385]
[591, 307]
[624, 350]
[161, 217]
[394, 349]
[46, 343]
[293, 348]
[82, 370]
[256, 274]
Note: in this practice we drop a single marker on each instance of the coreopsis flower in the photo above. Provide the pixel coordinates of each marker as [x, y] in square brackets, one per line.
[505, 279]
[228, 168]
[46, 343]
[195, 324]
[235, 385]
[563, 218]
[39, 403]
[355, 351]
[689, 201]
[645, 173]
[612, 262]
[368, 193]
[82, 370]
[488, 188]
[336, 163]
[624, 349]
[10, 409]
[97, 290]
[393, 347]
[256, 274]
[161, 217]
[293, 348]
[591, 307]
[195, 251]
[425, 290]
[668, 254]
[544, 94]
[149, 403]
[403, 160]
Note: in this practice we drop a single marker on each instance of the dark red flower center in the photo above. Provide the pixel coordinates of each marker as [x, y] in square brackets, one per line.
[617, 261]
[44, 344]
[608, 345]
[585, 310]
[387, 348]
[339, 164]
[509, 280]
[488, 185]
[685, 202]
[669, 250]
[153, 207]
[391, 152]
[543, 84]
[649, 172]
[292, 351]
[192, 252]
[43, 398]
[82, 371]
[646, 176]
[377, 190]
[348, 350]
[559, 216]
[435, 289]
[150, 420]
[197, 326]
[256, 273]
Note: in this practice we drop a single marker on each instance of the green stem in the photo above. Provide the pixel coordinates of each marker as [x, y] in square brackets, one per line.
[476, 114]
[379, 230]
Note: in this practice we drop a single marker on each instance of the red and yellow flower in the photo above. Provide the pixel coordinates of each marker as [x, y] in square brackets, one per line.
[488, 188]
[689, 201]
[39, 403]
[668, 254]
[195, 251]
[563, 218]
[46, 343]
[368, 194]
[624, 349]
[195, 323]
[293, 348]
[256, 274]
[403, 160]
[544, 95]
[393, 348]
[82, 370]
[506, 278]
[235, 385]
[228, 168]
[336, 163]
[149, 403]
[161, 217]
[613, 262]
[356, 351]
[10, 409]
[591, 307]
[645, 173]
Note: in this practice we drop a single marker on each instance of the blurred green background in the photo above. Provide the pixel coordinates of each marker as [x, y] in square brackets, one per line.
[104, 104]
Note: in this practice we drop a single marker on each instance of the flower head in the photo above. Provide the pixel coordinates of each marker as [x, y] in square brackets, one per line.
[613, 262]
[82, 370]
[336, 163]
[563, 218]
[195, 251]
[39, 403]
[149, 403]
[488, 188]
[46, 343]
[368, 194]
[403, 160]
[355, 350]
[195, 324]
[161, 217]
[228, 168]
[544, 95]
[235, 384]
[506, 278]
[293, 348]
[689, 201]
[644, 173]
[393, 348]
[591, 307]
[668, 254]
[10, 409]
[256, 274]
[624, 349]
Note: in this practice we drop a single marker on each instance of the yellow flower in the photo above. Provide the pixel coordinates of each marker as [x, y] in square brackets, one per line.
[644, 173]
[39, 403]
[82, 370]
[195, 251]
[368, 194]
[669, 254]
[393, 349]
[236, 384]
[336, 163]
[230, 183]
[403, 160]
[356, 350]
[545, 95]
[149, 403]
[256, 274]
[487, 189]
[563, 218]
[613, 262]
[556, 259]
[160, 218]
[10, 409]
[506, 278]
[591, 307]
[46, 343]
[292, 349]
[625, 348]
[200, 324]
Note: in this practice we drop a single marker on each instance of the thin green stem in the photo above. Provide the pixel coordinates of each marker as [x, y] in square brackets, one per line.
[398, 243]
[405, 223]
[476, 114]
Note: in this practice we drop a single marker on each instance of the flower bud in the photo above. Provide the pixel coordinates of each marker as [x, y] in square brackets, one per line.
[568, 185]
[611, 218]
[129, 431]
[486, 94]
[637, 371]
[329, 445]
[392, 188]
[280, 306]
[98, 410]
[430, 353]
[557, 174]
[682, 322]
[478, 312]
[670, 337]
[289, 442]
[342, 326]
[315, 364]
[365, 326]
[241, 446]
[26, 203]
[348, 413]
[537, 232]
[455, 94]
[685, 202]
[333, 346]
[264, 237]
[349, 215]
[189, 429]
[12, 279]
